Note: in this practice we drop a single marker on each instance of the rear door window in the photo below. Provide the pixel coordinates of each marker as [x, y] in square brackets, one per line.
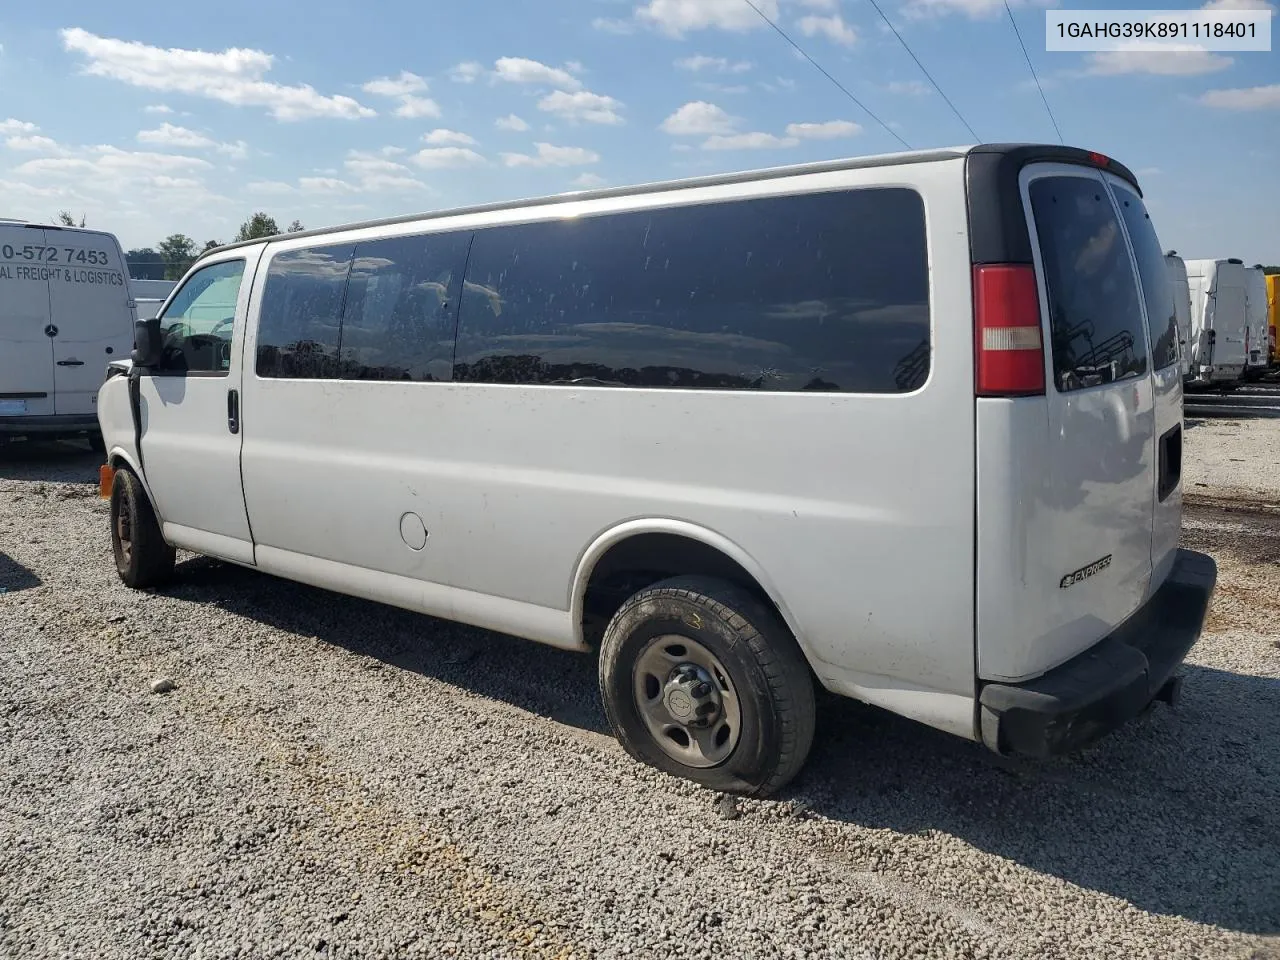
[301, 315]
[1157, 285]
[1095, 314]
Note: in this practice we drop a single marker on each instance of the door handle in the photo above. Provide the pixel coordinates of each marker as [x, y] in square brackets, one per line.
[233, 411]
[71, 363]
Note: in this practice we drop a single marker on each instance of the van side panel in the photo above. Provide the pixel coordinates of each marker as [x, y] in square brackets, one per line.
[26, 353]
[857, 508]
[92, 309]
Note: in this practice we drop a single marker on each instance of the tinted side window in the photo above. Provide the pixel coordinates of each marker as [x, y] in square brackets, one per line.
[822, 292]
[1095, 317]
[197, 323]
[1157, 285]
[401, 309]
[298, 324]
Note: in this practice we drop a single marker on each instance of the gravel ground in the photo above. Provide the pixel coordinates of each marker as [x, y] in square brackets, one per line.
[333, 778]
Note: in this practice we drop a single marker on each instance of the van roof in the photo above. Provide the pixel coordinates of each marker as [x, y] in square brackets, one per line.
[1018, 153]
[28, 225]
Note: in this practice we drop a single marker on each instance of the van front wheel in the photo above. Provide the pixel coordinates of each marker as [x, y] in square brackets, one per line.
[701, 679]
[143, 559]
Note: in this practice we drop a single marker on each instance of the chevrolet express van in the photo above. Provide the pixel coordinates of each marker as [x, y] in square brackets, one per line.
[1182, 307]
[1219, 322]
[907, 428]
[65, 312]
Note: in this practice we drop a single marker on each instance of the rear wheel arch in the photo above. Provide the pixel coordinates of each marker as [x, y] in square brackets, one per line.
[639, 553]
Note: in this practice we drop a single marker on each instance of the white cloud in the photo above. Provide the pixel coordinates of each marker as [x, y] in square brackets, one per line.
[16, 126]
[1244, 98]
[585, 181]
[33, 144]
[521, 70]
[436, 158]
[911, 88]
[833, 28]
[677, 17]
[549, 155]
[748, 141]
[157, 108]
[175, 183]
[831, 130]
[1238, 5]
[582, 106]
[323, 185]
[400, 86]
[168, 135]
[610, 25]
[718, 64]
[113, 158]
[574, 66]
[1176, 63]
[234, 76]
[466, 72]
[698, 118]
[236, 151]
[511, 122]
[441, 135]
[730, 88]
[413, 107]
[819, 4]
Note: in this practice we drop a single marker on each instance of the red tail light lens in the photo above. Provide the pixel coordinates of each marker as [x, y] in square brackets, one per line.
[1008, 348]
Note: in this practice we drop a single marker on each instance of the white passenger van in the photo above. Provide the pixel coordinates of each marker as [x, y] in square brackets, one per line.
[65, 311]
[1219, 322]
[1182, 307]
[1256, 312]
[908, 428]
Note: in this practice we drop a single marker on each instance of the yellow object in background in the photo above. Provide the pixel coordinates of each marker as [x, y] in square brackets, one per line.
[1273, 311]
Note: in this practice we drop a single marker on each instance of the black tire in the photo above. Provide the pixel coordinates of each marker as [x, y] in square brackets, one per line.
[143, 559]
[767, 671]
[96, 443]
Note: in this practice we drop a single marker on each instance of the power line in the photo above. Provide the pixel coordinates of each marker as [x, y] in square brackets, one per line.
[1018, 34]
[865, 109]
[925, 72]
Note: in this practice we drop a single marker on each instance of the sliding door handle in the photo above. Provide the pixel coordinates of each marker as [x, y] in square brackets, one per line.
[233, 411]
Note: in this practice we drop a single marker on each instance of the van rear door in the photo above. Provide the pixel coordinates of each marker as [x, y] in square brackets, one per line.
[90, 306]
[1095, 536]
[26, 351]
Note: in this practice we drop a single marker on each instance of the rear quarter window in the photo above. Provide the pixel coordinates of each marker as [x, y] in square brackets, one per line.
[1095, 315]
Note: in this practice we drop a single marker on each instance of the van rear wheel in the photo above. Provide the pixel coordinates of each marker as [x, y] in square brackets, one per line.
[143, 559]
[701, 679]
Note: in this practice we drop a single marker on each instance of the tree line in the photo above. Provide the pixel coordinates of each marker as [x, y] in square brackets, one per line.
[172, 257]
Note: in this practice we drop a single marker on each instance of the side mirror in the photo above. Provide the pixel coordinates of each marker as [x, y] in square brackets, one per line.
[148, 344]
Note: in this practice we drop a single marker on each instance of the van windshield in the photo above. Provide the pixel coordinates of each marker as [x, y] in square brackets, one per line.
[1094, 311]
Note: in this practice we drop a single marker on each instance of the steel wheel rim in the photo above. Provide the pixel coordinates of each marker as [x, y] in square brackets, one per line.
[124, 530]
[665, 683]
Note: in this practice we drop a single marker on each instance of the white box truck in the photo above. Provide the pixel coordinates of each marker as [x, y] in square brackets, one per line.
[1219, 322]
[65, 313]
[1181, 307]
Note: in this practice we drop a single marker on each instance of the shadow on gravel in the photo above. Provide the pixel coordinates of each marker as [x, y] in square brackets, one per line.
[14, 576]
[60, 461]
[1175, 813]
[553, 683]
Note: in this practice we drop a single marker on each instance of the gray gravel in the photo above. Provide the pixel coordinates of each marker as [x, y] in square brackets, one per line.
[333, 778]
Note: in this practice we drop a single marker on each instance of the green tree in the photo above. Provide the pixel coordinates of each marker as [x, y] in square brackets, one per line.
[1271, 270]
[178, 251]
[67, 220]
[209, 245]
[296, 227]
[256, 227]
[145, 264]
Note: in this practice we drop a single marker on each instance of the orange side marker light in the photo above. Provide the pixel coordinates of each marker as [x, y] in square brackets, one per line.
[106, 477]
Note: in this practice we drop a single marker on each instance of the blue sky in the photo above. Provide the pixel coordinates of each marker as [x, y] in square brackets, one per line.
[161, 118]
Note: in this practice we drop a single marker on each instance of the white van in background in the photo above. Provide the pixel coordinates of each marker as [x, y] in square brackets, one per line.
[944, 478]
[1219, 322]
[1181, 307]
[65, 313]
[1255, 297]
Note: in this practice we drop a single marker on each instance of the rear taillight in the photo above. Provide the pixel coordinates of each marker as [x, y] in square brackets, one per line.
[1008, 349]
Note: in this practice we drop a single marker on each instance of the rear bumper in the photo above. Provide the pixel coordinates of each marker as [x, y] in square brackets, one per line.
[67, 423]
[1111, 682]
